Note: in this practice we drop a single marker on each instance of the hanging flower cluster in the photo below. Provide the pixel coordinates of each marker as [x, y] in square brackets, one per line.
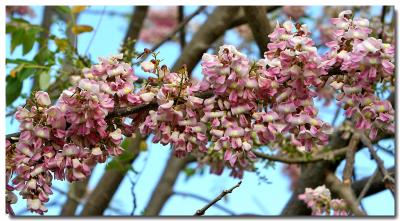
[363, 62]
[320, 202]
[229, 112]
[249, 104]
[177, 118]
[289, 76]
[63, 141]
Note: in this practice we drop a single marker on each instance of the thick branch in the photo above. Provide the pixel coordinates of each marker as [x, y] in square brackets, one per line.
[101, 196]
[351, 152]
[259, 25]
[136, 23]
[345, 192]
[201, 211]
[76, 192]
[313, 175]
[164, 186]
[241, 19]
[217, 23]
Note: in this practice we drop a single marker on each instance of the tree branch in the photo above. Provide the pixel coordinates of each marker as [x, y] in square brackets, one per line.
[345, 192]
[179, 28]
[389, 181]
[383, 15]
[195, 196]
[313, 175]
[75, 194]
[164, 186]
[216, 24]
[99, 199]
[259, 25]
[137, 18]
[303, 160]
[182, 34]
[367, 186]
[351, 152]
[377, 185]
[201, 211]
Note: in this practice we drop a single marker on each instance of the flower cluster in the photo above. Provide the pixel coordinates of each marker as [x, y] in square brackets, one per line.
[229, 112]
[320, 202]
[364, 65]
[289, 76]
[64, 141]
[158, 24]
[176, 120]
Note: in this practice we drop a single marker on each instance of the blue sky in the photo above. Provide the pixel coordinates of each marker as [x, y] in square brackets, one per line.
[253, 196]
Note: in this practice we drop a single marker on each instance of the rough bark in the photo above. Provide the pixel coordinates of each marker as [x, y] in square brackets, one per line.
[259, 25]
[314, 175]
[164, 188]
[136, 23]
[377, 185]
[216, 24]
[78, 190]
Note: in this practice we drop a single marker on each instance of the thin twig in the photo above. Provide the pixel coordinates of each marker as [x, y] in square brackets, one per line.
[389, 181]
[385, 149]
[339, 108]
[173, 33]
[198, 197]
[134, 182]
[95, 30]
[201, 212]
[302, 160]
[367, 186]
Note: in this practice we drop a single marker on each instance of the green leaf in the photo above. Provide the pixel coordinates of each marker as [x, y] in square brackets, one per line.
[16, 38]
[10, 28]
[126, 142]
[63, 9]
[13, 89]
[44, 57]
[29, 40]
[26, 73]
[44, 81]
[18, 61]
